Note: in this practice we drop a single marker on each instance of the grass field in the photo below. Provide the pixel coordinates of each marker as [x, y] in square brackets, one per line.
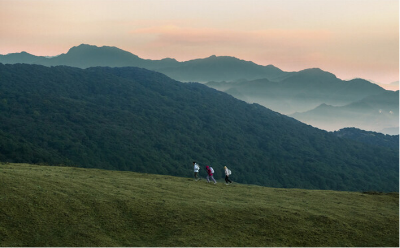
[66, 206]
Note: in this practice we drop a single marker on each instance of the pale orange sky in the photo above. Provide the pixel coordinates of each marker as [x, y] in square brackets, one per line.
[350, 38]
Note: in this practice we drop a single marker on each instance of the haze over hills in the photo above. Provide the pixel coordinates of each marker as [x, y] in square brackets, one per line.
[376, 112]
[394, 86]
[139, 120]
[391, 130]
[311, 95]
[300, 91]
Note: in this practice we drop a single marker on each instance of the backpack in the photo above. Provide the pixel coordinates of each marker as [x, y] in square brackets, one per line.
[212, 170]
[229, 172]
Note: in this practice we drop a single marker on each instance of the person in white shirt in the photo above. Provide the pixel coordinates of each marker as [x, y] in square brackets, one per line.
[227, 173]
[196, 170]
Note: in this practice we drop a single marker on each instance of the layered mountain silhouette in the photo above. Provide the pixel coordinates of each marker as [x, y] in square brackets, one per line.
[134, 119]
[300, 91]
[290, 93]
[199, 70]
[376, 112]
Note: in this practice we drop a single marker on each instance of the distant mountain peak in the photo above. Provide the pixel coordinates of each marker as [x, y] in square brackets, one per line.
[21, 53]
[311, 75]
[321, 107]
[107, 54]
[169, 59]
[224, 58]
[359, 80]
[83, 47]
[316, 72]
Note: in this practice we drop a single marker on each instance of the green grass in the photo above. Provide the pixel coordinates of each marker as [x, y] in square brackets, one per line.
[66, 206]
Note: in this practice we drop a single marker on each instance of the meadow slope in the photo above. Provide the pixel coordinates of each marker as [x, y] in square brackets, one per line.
[67, 206]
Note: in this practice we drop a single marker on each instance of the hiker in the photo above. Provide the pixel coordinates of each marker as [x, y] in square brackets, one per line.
[227, 174]
[196, 170]
[210, 172]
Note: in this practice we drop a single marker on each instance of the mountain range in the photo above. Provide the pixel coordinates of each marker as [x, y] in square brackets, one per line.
[304, 95]
[128, 118]
[375, 112]
[300, 91]
[199, 70]
[320, 99]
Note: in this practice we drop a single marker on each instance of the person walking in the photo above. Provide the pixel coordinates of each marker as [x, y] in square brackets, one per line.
[227, 174]
[210, 172]
[196, 170]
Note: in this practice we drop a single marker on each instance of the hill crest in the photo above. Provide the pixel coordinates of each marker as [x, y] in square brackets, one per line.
[51, 206]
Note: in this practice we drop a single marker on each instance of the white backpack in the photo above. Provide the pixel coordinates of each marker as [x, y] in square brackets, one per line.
[212, 170]
[229, 172]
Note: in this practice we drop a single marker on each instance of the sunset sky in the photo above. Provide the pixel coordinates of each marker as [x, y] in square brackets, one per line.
[350, 38]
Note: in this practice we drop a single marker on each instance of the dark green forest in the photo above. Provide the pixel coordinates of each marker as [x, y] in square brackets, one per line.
[370, 138]
[139, 120]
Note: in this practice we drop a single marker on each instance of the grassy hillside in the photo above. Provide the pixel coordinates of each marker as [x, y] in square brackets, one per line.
[66, 206]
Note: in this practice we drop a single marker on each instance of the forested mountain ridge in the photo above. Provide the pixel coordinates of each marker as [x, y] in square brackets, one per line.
[139, 120]
[371, 138]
